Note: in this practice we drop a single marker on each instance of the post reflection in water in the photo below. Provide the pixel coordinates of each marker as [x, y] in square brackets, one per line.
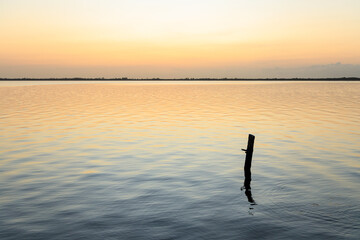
[248, 194]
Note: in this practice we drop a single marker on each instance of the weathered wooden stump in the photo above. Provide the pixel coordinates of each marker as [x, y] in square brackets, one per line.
[248, 159]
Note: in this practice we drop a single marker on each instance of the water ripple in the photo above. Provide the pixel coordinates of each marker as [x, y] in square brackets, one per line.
[164, 161]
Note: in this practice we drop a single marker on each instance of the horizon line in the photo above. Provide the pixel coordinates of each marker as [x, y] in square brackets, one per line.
[181, 79]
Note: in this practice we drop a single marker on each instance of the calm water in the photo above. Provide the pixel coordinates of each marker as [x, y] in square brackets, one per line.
[164, 160]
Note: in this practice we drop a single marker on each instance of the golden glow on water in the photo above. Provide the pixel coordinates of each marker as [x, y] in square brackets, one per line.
[51, 112]
[89, 172]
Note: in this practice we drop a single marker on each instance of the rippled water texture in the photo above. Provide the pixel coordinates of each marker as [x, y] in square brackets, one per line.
[164, 160]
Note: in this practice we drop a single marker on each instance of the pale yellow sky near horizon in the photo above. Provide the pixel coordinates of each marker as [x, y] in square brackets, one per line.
[130, 37]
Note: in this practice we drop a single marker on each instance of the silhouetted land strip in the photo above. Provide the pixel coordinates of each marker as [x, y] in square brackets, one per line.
[181, 79]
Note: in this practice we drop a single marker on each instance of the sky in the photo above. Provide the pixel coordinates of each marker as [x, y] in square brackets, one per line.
[179, 38]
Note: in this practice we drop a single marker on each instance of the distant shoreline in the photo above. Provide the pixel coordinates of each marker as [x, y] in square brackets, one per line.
[182, 79]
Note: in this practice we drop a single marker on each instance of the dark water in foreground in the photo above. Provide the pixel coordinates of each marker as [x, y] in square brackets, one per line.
[164, 160]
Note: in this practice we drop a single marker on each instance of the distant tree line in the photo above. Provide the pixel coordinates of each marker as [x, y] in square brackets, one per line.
[180, 79]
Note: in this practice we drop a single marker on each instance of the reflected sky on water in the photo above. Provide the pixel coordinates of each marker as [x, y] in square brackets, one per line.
[151, 160]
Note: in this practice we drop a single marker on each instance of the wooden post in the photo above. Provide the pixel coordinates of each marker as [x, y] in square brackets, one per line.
[247, 167]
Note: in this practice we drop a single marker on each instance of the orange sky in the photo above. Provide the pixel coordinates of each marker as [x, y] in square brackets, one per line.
[127, 37]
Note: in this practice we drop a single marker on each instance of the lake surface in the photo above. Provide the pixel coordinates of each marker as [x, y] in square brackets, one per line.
[163, 160]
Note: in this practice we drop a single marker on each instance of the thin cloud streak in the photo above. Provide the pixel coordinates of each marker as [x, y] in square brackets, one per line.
[336, 70]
